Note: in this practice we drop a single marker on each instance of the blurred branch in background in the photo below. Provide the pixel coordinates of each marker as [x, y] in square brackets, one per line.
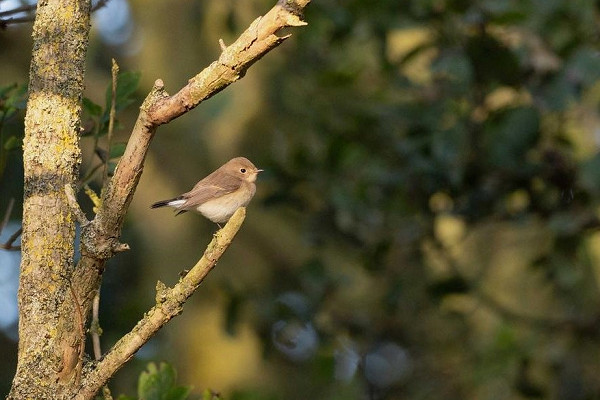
[8, 245]
[6, 17]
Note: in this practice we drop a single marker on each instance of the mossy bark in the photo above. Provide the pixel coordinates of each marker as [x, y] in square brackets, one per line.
[50, 331]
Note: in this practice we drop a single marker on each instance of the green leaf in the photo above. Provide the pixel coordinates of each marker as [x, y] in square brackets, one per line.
[249, 394]
[492, 61]
[104, 125]
[584, 67]
[127, 84]
[112, 166]
[158, 383]
[454, 68]
[509, 134]
[17, 98]
[210, 395]
[117, 150]
[12, 143]
[91, 108]
[178, 393]
[7, 89]
[589, 175]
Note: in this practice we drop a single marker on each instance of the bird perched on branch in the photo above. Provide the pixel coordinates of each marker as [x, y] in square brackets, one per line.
[221, 193]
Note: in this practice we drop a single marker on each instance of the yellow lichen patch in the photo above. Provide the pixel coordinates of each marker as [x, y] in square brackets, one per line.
[53, 147]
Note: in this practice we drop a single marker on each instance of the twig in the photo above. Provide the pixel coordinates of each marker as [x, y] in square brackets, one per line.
[6, 218]
[99, 5]
[16, 10]
[169, 303]
[505, 312]
[89, 175]
[106, 393]
[81, 331]
[95, 329]
[111, 119]
[8, 245]
[235, 59]
[30, 8]
[159, 108]
[75, 209]
[9, 21]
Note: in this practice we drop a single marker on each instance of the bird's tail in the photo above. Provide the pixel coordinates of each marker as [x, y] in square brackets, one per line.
[171, 202]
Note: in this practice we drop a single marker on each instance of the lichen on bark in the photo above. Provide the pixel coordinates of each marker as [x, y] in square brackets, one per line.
[49, 332]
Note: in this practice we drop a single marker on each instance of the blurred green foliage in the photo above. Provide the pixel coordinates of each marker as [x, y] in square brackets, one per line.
[489, 118]
[12, 106]
[95, 122]
[159, 383]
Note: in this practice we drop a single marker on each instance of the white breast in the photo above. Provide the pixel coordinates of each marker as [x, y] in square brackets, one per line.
[221, 209]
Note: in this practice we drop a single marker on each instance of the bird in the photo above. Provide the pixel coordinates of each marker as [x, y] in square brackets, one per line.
[221, 193]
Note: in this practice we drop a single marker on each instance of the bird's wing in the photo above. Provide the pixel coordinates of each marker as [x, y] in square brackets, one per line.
[208, 189]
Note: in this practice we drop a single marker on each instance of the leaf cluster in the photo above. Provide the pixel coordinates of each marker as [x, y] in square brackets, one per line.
[96, 118]
[13, 99]
[159, 383]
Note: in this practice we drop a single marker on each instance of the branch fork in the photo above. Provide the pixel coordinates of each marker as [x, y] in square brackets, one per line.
[93, 243]
[169, 304]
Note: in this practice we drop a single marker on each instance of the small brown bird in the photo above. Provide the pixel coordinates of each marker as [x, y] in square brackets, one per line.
[221, 193]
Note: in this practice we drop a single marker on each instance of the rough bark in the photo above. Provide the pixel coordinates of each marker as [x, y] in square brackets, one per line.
[50, 332]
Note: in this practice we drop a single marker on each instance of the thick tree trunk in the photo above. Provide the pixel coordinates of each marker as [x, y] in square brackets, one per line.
[50, 329]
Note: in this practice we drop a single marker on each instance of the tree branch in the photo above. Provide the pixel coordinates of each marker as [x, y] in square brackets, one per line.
[75, 209]
[99, 239]
[253, 44]
[169, 303]
[29, 9]
[111, 118]
[8, 245]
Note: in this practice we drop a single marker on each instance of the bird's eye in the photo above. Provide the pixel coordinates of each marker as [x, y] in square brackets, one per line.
[243, 170]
